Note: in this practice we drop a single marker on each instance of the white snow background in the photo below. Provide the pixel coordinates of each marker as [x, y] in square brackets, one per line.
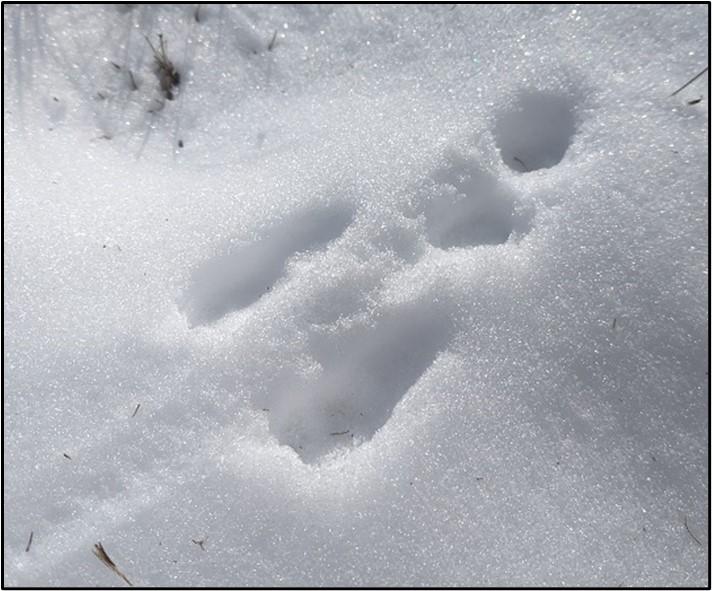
[406, 295]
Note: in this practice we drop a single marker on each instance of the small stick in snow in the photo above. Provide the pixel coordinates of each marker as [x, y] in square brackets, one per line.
[200, 543]
[690, 81]
[691, 534]
[135, 411]
[196, 14]
[134, 86]
[271, 45]
[694, 101]
[67, 456]
[29, 542]
[614, 323]
[526, 168]
[340, 432]
[101, 554]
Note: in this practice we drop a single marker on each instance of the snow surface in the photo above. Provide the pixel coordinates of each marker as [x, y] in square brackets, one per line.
[407, 295]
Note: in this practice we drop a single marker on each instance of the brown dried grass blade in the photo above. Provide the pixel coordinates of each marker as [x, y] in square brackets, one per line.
[101, 554]
[690, 81]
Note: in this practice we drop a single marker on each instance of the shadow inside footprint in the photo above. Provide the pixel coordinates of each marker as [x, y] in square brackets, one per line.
[537, 132]
[366, 373]
[468, 207]
[241, 275]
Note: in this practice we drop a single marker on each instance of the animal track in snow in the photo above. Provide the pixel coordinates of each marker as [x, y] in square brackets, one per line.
[468, 207]
[367, 364]
[241, 275]
[366, 372]
[537, 132]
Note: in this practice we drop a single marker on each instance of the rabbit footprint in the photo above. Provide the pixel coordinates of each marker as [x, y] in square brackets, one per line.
[241, 275]
[464, 206]
[366, 372]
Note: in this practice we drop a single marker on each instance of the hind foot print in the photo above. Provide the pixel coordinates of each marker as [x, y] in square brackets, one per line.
[241, 275]
[366, 373]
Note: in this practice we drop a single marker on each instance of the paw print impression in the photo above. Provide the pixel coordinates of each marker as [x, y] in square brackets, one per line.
[238, 276]
[468, 207]
[366, 372]
[536, 132]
